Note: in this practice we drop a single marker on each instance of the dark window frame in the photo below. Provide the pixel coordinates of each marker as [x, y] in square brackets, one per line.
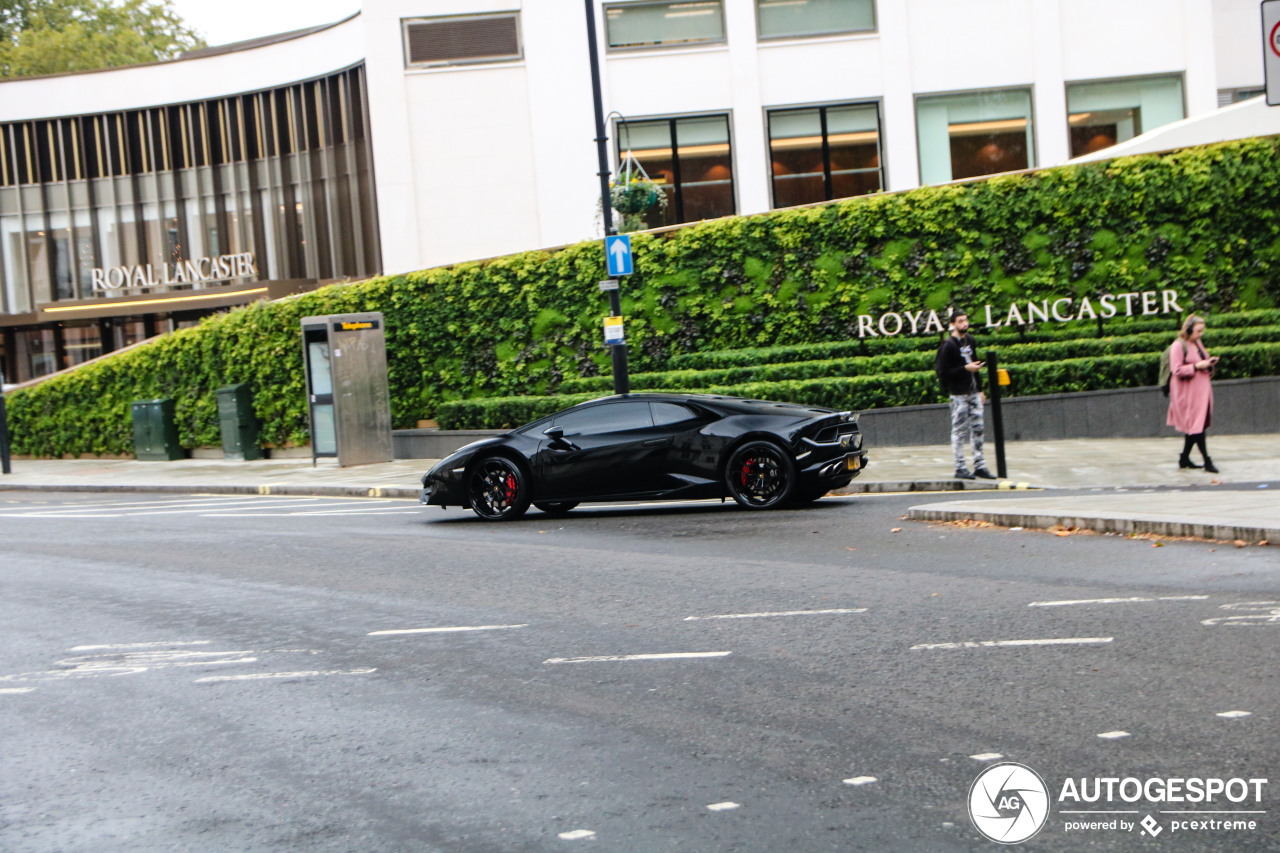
[677, 182]
[827, 181]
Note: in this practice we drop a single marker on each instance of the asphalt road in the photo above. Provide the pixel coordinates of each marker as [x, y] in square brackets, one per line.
[311, 674]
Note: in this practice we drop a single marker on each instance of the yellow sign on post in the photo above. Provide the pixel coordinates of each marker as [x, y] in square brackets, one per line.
[613, 331]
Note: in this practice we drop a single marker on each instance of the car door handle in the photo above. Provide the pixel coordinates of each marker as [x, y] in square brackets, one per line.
[655, 442]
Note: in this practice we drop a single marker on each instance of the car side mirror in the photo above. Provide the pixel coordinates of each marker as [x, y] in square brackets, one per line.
[554, 433]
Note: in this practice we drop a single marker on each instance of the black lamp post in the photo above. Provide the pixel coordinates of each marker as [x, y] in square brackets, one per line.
[621, 383]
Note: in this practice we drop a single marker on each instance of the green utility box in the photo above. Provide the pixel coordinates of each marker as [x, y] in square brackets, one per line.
[239, 425]
[155, 433]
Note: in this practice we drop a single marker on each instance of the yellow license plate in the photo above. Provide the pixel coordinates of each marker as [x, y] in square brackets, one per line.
[853, 461]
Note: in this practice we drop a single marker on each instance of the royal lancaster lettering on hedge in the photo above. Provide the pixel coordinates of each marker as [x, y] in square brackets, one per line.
[194, 271]
[1063, 310]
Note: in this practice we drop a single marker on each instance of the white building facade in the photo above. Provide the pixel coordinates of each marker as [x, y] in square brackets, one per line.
[425, 132]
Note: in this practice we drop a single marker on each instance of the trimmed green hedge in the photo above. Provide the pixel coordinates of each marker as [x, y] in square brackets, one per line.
[1012, 355]
[1204, 221]
[986, 337]
[909, 388]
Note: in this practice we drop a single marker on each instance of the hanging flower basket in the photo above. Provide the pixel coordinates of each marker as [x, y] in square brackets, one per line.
[635, 196]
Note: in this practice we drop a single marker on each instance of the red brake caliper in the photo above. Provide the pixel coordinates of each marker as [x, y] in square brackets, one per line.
[511, 486]
[746, 470]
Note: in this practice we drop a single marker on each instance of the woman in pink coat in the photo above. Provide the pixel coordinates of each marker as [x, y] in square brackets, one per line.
[1191, 391]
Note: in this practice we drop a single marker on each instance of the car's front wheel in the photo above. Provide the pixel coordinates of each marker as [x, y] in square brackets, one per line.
[760, 475]
[555, 507]
[498, 489]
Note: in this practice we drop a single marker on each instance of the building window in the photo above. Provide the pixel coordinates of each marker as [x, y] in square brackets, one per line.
[1101, 114]
[796, 18]
[457, 41]
[821, 153]
[631, 25]
[689, 159]
[964, 136]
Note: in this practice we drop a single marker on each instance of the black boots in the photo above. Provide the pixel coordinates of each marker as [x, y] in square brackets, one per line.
[1184, 461]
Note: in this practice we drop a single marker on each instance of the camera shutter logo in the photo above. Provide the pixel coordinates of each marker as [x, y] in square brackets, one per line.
[1009, 803]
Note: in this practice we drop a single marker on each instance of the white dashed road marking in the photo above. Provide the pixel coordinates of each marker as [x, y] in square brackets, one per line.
[1235, 715]
[136, 646]
[861, 780]
[1113, 735]
[6, 690]
[1116, 600]
[612, 658]
[577, 834]
[723, 807]
[987, 644]
[986, 756]
[457, 630]
[777, 613]
[211, 679]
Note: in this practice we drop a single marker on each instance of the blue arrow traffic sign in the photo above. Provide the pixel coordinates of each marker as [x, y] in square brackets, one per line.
[617, 253]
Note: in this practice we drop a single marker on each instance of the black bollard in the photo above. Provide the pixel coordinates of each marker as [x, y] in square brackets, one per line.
[4, 431]
[997, 417]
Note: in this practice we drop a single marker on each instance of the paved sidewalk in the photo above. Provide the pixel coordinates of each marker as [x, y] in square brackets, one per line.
[1072, 464]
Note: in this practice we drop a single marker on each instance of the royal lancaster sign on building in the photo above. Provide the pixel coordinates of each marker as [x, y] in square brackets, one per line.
[1062, 310]
[195, 271]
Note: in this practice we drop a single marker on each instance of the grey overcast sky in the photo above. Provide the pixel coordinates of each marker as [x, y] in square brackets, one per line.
[226, 21]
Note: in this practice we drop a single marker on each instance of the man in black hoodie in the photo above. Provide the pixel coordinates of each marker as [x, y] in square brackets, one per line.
[960, 373]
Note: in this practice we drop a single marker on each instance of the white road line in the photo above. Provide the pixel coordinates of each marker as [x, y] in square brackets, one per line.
[1116, 600]
[985, 644]
[986, 756]
[1113, 735]
[63, 515]
[141, 507]
[611, 658]
[263, 675]
[6, 690]
[1235, 715]
[777, 613]
[137, 645]
[861, 780]
[456, 630]
[577, 834]
[723, 807]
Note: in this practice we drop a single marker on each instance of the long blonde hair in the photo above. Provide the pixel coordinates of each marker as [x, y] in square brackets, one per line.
[1189, 326]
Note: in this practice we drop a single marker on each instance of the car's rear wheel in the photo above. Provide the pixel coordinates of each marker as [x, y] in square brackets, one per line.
[555, 507]
[760, 475]
[498, 489]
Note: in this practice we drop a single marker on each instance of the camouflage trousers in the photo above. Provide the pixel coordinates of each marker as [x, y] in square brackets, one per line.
[966, 428]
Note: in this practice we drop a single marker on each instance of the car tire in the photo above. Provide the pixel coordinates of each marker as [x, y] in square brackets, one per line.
[555, 507]
[498, 489]
[760, 475]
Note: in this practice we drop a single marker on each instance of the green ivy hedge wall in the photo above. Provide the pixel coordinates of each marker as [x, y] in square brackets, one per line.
[1201, 221]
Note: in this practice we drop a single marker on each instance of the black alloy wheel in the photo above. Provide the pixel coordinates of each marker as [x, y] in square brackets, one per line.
[497, 489]
[760, 475]
[555, 507]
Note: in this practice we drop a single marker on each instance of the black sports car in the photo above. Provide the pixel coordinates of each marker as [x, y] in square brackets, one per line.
[654, 447]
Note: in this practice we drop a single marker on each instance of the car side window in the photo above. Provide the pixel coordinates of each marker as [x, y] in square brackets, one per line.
[609, 417]
[670, 413]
